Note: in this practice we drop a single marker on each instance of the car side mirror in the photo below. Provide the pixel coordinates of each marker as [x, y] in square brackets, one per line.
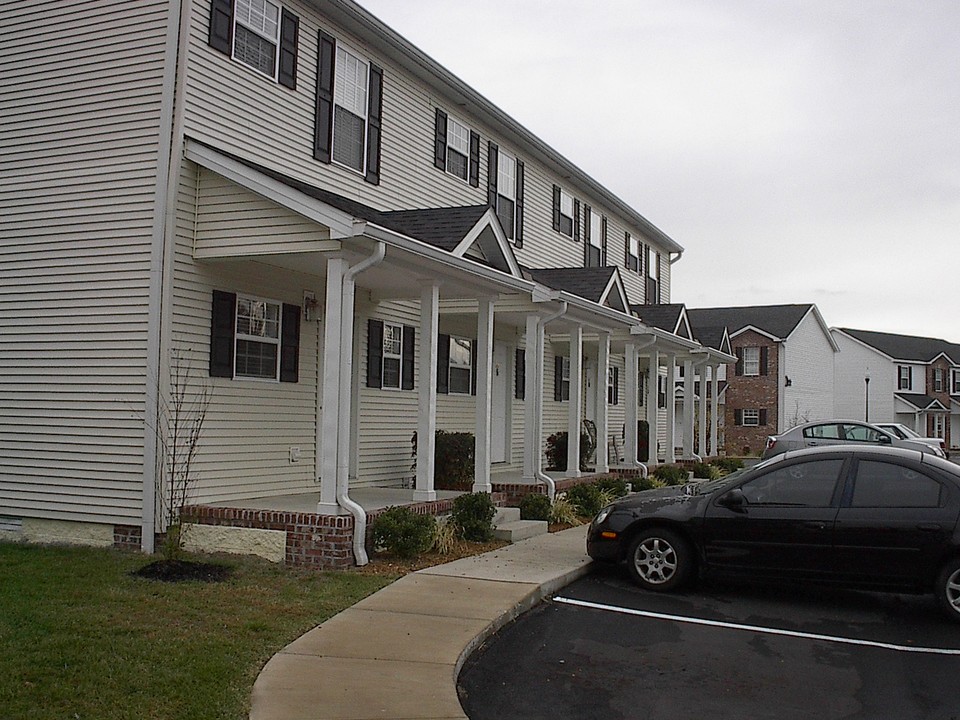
[733, 500]
[885, 440]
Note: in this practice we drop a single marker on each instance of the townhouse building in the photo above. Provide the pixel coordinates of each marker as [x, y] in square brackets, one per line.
[886, 377]
[288, 209]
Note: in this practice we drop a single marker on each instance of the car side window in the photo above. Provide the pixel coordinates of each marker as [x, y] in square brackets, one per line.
[823, 432]
[803, 484]
[861, 433]
[883, 484]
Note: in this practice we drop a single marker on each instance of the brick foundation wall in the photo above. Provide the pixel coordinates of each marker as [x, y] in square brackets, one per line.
[127, 537]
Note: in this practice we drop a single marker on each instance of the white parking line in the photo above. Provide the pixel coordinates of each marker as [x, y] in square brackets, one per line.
[756, 628]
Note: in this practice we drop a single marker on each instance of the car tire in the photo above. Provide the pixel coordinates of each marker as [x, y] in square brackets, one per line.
[659, 559]
[948, 588]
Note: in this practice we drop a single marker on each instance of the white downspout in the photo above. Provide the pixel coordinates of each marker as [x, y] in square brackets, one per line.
[539, 473]
[346, 379]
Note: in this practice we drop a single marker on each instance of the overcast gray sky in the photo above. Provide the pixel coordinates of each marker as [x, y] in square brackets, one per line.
[800, 150]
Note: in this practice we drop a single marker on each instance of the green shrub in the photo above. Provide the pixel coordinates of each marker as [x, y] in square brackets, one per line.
[705, 471]
[534, 506]
[564, 512]
[649, 482]
[727, 464]
[557, 451]
[671, 474]
[403, 532]
[453, 457]
[616, 486]
[473, 513]
[586, 498]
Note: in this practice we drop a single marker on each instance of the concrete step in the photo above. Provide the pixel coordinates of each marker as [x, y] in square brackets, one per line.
[505, 515]
[520, 530]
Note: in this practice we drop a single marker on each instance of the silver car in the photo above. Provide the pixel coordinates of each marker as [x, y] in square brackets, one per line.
[905, 433]
[840, 432]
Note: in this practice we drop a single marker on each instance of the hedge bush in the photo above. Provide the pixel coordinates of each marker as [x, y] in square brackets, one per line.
[586, 498]
[727, 464]
[403, 532]
[671, 474]
[616, 486]
[473, 513]
[534, 506]
[453, 457]
[706, 471]
[557, 451]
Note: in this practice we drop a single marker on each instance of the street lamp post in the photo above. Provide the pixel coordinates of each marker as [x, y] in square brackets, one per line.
[866, 397]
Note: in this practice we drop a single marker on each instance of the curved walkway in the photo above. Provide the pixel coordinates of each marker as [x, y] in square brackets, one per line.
[397, 653]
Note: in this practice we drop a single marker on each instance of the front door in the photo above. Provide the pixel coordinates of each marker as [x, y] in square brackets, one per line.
[500, 391]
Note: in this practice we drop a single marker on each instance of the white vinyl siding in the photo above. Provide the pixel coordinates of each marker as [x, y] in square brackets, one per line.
[81, 141]
[807, 358]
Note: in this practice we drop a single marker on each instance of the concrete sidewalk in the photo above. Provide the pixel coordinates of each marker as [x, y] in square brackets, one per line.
[397, 653]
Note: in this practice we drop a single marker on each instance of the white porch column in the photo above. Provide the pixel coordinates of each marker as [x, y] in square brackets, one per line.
[328, 406]
[714, 409]
[653, 408]
[576, 401]
[687, 437]
[602, 460]
[531, 403]
[630, 410]
[671, 449]
[427, 394]
[702, 407]
[481, 472]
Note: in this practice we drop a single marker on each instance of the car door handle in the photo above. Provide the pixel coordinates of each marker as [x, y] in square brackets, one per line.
[815, 525]
[929, 527]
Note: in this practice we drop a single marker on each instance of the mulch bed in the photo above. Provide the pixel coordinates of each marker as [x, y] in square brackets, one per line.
[183, 570]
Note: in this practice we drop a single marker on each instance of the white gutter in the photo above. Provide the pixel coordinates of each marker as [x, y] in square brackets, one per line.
[346, 380]
[538, 472]
[671, 260]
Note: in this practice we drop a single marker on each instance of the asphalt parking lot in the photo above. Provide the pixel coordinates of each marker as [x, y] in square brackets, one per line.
[603, 648]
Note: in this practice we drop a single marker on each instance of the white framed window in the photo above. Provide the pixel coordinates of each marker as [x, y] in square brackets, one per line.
[751, 361]
[392, 355]
[904, 377]
[257, 339]
[565, 378]
[751, 417]
[256, 35]
[613, 386]
[938, 379]
[461, 354]
[458, 148]
[507, 193]
[955, 389]
[633, 254]
[595, 248]
[566, 213]
[939, 426]
[350, 105]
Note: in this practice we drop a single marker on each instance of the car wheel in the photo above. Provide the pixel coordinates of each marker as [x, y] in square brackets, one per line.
[948, 588]
[660, 560]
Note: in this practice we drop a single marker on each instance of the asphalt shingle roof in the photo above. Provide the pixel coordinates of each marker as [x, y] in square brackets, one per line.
[777, 320]
[663, 317]
[906, 347]
[587, 283]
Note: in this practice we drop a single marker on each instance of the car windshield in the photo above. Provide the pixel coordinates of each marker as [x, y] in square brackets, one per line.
[701, 487]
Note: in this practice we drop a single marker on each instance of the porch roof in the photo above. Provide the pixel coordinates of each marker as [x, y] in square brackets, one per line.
[920, 401]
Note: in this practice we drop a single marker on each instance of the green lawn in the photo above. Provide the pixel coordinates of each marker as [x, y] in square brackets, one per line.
[82, 639]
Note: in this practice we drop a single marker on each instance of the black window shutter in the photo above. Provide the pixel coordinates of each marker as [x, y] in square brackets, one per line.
[440, 140]
[290, 344]
[473, 367]
[910, 378]
[520, 374]
[556, 207]
[443, 364]
[323, 117]
[763, 417]
[289, 37]
[738, 368]
[764, 355]
[738, 417]
[221, 26]
[374, 114]
[406, 372]
[616, 386]
[493, 161]
[558, 378]
[626, 250]
[374, 353]
[576, 220]
[586, 236]
[474, 159]
[222, 325]
[603, 242]
[518, 222]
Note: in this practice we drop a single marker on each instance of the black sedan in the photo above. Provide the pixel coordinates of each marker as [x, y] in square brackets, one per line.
[877, 518]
